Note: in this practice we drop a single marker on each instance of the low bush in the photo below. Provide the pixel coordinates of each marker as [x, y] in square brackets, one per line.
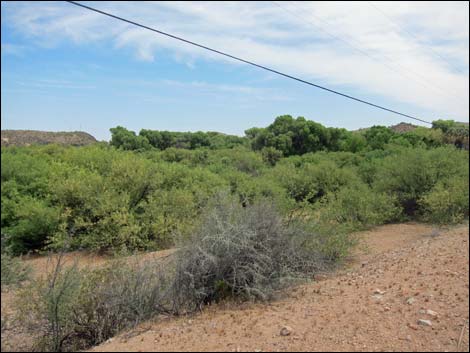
[14, 271]
[333, 241]
[31, 224]
[271, 155]
[243, 252]
[246, 253]
[310, 182]
[118, 297]
[447, 202]
[409, 174]
[73, 309]
[46, 306]
[359, 208]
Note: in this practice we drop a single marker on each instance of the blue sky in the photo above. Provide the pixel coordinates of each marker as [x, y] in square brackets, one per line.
[66, 69]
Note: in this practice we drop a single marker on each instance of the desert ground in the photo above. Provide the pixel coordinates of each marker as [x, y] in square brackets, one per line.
[405, 289]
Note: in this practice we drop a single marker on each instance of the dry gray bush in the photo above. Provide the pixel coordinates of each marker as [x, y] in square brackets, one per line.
[243, 252]
[74, 309]
[247, 253]
[117, 297]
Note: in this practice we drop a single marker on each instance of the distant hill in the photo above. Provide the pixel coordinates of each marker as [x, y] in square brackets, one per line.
[403, 127]
[34, 137]
[399, 128]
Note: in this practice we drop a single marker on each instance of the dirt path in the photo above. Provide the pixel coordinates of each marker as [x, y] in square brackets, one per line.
[374, 305]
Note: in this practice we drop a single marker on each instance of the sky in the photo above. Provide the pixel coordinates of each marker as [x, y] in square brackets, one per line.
[64, 68]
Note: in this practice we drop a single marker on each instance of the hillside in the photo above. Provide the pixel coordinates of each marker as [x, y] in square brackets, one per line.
[403, 127]
[34, 137]
[398, 128]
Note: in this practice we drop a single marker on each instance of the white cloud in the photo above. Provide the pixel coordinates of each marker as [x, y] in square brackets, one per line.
[239, 92]
[60, 84]
[402, 68]
[13, 49]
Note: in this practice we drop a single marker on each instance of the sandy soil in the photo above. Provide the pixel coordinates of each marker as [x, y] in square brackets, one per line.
[346, 311]
[43, 264]
[16, 338]
[364, 307]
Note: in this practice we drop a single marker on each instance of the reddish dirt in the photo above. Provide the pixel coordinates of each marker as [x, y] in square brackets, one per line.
[342, 312]
[16, 338]
[42, 265]
[339, 312]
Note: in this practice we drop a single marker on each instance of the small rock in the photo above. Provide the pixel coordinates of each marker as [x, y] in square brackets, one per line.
[431, 313]
[410, 300]
[413, 327]
[424, 322]
[286, 331]
[378, 291]
[377, 297]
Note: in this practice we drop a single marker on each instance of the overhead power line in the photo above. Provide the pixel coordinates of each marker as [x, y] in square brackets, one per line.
[245, 61]
[410, 34]
[423, 81]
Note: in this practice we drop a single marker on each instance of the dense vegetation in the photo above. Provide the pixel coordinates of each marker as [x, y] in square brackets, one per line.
[248, 215]
[104, 197]
[128, 140]
[287, 136]
[244, 253]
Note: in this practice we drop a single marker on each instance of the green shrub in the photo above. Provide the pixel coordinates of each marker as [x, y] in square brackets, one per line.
[311, 182]
[96, 158]
[128, 140]
[333, 241]
[353, 142]
[250, 190]
[378, 136]
[32, 223]
[424, 137]
[359, 207]
[411, 173]
[239, 158]
[298, 136]
[447, 202]
[175, 155]
[29, 172]
[271, 155]
[166, 214]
